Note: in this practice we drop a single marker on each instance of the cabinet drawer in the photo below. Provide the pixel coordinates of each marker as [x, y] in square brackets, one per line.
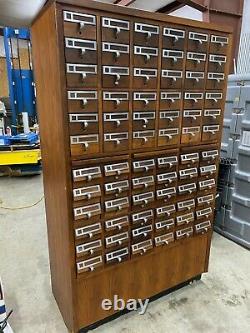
[169, 119]
[89, 264]
[116, 187]
[117, 205]
[115, 54]
[209, 156]
[143, 218]
[215, 80]
[172, 59]
[218, 44]
[88, 231]
[80, 51]
[164, 225]
[211, 116]
[170, 100]
[82, 101]
[165, 211]
[115, 76]
[142, 247]
[194, 80]
[204, 213]
[171, 79]
[166, 194]
[208, 184]
[87, 174]
[191, 118]
[186, 205]
[117, 256]
[167, 162]
[116, 141]
[143, 120]
[191, 134]
[190, 159]
[87, 193]
[167, 178]
[185, 219]
[142, 232]
[143, 139]
[145, 56]
[78, 24]
[173, 38]
[188, 173]
[80, 76]
[143, 182]
[117, 239]
[205, 200]
[117, 224]
[146, 34]
[164, 239]
[187, 188]
[83, 123]
[116, 170]
[87, 212]
[217, 63]
[184, 233]
[208, 170]
[115, 101]
[196, 61]
[202, 227]
[211, 132]
[143, 166]
[193, 100]
[170, 136]
[114, 121]
[213, 100]
[89, 249]
[144, 101]
[84, 144]
[143, 199]
[114, 30]
[197, 41]
[145, 77]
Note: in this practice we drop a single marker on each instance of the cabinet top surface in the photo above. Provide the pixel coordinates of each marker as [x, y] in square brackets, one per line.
[121, 10]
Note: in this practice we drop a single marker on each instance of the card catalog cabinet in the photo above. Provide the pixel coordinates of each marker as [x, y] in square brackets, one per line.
[131, 109]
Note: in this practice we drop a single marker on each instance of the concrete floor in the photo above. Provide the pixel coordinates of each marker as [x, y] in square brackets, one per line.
[220, 302]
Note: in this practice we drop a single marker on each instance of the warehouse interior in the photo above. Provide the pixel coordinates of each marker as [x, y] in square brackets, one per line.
[198, 280]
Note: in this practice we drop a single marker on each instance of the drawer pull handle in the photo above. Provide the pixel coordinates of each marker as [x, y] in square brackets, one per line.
[119, 208]
[117, 31]
[91, 251]
[147, 79]
[89, 215]
[117, 141]
[85, 124]
[83, 51]
[90, 235]
[118, 123]
[117, 54]
[91, 268]
[118, 77]
[119, 227]
[117, 102]
[145, 185]
[119, 259]
[86, 145]
[84, 75]
[145, 139]
[169, 136]
[192, 133]
[84, 102]
[149, 35]
[146, 101]
[120, 242]
[89, 178]
[147, 57]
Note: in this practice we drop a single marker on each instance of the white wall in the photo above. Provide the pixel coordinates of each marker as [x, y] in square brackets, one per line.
[188, 12]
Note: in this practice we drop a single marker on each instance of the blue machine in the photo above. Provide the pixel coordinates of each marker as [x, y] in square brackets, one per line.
[21, 83]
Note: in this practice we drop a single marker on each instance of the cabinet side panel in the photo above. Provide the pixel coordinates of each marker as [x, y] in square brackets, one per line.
[55, 157]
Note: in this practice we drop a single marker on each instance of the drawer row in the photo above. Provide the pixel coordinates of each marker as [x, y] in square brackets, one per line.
[95, 258]
[84, 25]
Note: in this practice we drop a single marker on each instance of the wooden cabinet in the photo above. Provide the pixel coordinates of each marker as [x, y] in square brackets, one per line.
[131, 107]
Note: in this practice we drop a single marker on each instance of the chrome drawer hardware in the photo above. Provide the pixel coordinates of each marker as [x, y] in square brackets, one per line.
[118, 223]
[118, 187]
[201, 38]
[142, 247]
[143, 198]
[89, 264]
[117, 118]
[116, 71]
[81, 19]
[85, 119]
[187, 204]
[164, 239]
[187, 188]
[204, 212]
[216, 76]
[214, 96]
[89, 247]
[174, 75]
[207, 199]
[187, 218]
[208, 169]
[164, 224]
[142, 231]
[117, 25]
[211, 129]
[210, 183]
[211, 154]
[166, 210]
[195, 97]
[166, 192]
[144, 165]
[84, 70]
[116, 169]
[168, 161]
[87, 173]
[176, 34]
[219, 59]
[172, 54]
[117, 204]
[203, 226]
[192, 172]
[191, 130]
[193, 157]
[116, 239]
[145, 181]
[116, 97]
[170, 115]
[147, 52]
[85, 140]
[197, 76]
[143, 216]
[194, 114]
[219, 40]
[117, 49]
[83, 96]
[143, 116]
[144, 97]
[145, 135]
[146, 73]
[88, 192]
[186, 232]
[80, 44]
[89, 230]
[198, 57]
[87, 211]
[116, 137]
[170, 177]
[173, 96]
[147, 29]
[117, 255]
[169, 133]
[214, 113]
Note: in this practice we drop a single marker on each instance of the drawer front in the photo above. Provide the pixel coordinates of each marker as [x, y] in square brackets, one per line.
[116, 122]
[115, 30]
[171, 79]
[79, 75]
[169, 119]
[87, 212]
[170, 136]
[170, 100]
[79, 25]
[173, 38]
[212, 116]
[146, 34]
[142, 139]
[164, 240]
[145, 56]
[144, 101]
[115, 76]
[191, 134]
[82, 101]
[215, 80]
[198, 41]
[167, 163]
[184, 233]
[143, 218]
[87, 193]
[115, 54]
[196, 61]
[143, 120]
[193, 100]
[84, 144]
[83, 123]
[117, 256]
[88, 231]
[203, 227]
[116, 141]
[87, 175]
[194, 80]
[172, 59]
[81, 51]
[115, 101]
[145, 77]
[191, 118]
[165, 211]
[211, 132]
[142, 247]
[213, 99]
[209, 156]
[89, 265]
[117, 224]
[216, 63]
[91, 248]
[218, 44]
